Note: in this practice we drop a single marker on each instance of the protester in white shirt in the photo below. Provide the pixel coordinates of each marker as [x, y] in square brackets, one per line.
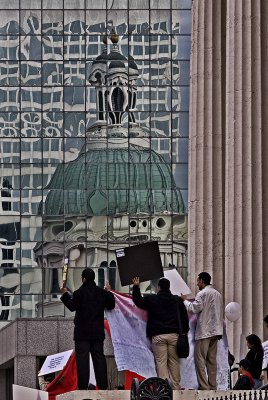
[208, 305]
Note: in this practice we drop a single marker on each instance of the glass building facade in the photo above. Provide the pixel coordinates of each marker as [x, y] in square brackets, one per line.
[94, 102]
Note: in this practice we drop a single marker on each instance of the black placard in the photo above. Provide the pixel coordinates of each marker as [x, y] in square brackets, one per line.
[142, 260]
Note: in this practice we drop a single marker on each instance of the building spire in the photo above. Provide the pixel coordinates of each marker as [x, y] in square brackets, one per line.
[114, 77]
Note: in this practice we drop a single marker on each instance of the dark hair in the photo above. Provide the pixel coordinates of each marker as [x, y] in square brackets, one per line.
[50, 377]
[245, 364]
[206, 278]
[231, 358]
[164, 284]
[254, 340]
[266, 319]
[88, 274]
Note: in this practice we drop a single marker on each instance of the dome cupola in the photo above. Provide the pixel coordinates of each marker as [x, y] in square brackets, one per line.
[114, 77]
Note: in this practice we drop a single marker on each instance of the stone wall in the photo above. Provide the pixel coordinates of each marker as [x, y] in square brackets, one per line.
[23, 340]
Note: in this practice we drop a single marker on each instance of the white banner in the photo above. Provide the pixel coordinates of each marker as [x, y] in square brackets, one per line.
[132, 349]
[187, 366]
[133, 352]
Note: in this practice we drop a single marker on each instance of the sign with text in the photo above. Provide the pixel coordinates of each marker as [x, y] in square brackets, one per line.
[55, 362]
[25, 393]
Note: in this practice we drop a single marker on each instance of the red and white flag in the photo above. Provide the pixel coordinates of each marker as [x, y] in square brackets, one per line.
[65, 382]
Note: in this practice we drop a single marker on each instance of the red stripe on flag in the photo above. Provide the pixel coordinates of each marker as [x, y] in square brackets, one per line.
[66, 381]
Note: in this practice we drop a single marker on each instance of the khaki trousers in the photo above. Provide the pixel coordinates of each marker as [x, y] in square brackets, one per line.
[205, 355]
[166, 358]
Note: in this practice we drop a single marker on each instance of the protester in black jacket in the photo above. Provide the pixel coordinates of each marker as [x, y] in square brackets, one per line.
[255, 358]
[89, 302]
[163, 327]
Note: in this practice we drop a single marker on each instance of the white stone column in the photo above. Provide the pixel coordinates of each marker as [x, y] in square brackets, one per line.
[206, 145]
[243, 179]
[233, 167]
[228, 221]
[264, 108]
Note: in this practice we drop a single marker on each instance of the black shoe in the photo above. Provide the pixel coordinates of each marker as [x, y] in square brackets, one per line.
[120, 387]
[91, 387]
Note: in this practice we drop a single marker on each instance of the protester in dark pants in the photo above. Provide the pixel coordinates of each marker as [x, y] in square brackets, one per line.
[89, 303]
[82, 350]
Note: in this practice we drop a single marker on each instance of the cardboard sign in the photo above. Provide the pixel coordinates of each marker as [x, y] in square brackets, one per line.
[177, 284]
[142, 260]
[25, 393]
[55, 362]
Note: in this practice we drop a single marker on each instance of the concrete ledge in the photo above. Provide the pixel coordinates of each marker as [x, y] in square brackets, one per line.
[95, 395]
[119, 395]
[177, 394]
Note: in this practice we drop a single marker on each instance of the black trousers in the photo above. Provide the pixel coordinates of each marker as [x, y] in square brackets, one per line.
[82, 350]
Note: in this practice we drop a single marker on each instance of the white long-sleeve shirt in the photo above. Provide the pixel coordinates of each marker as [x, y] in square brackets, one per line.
[208, 306]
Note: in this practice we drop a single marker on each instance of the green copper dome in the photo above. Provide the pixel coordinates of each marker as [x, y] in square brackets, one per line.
[113, 181]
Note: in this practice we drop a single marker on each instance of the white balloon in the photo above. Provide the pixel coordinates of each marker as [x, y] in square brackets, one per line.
[233, 311]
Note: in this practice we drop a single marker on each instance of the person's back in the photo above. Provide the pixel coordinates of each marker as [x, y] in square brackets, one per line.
[163, 312]
[89, 302]
[167, 317]
[210, 320]
[243, 383]
[255, 356]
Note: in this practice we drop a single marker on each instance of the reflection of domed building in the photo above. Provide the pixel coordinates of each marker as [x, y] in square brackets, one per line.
[117, 192]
